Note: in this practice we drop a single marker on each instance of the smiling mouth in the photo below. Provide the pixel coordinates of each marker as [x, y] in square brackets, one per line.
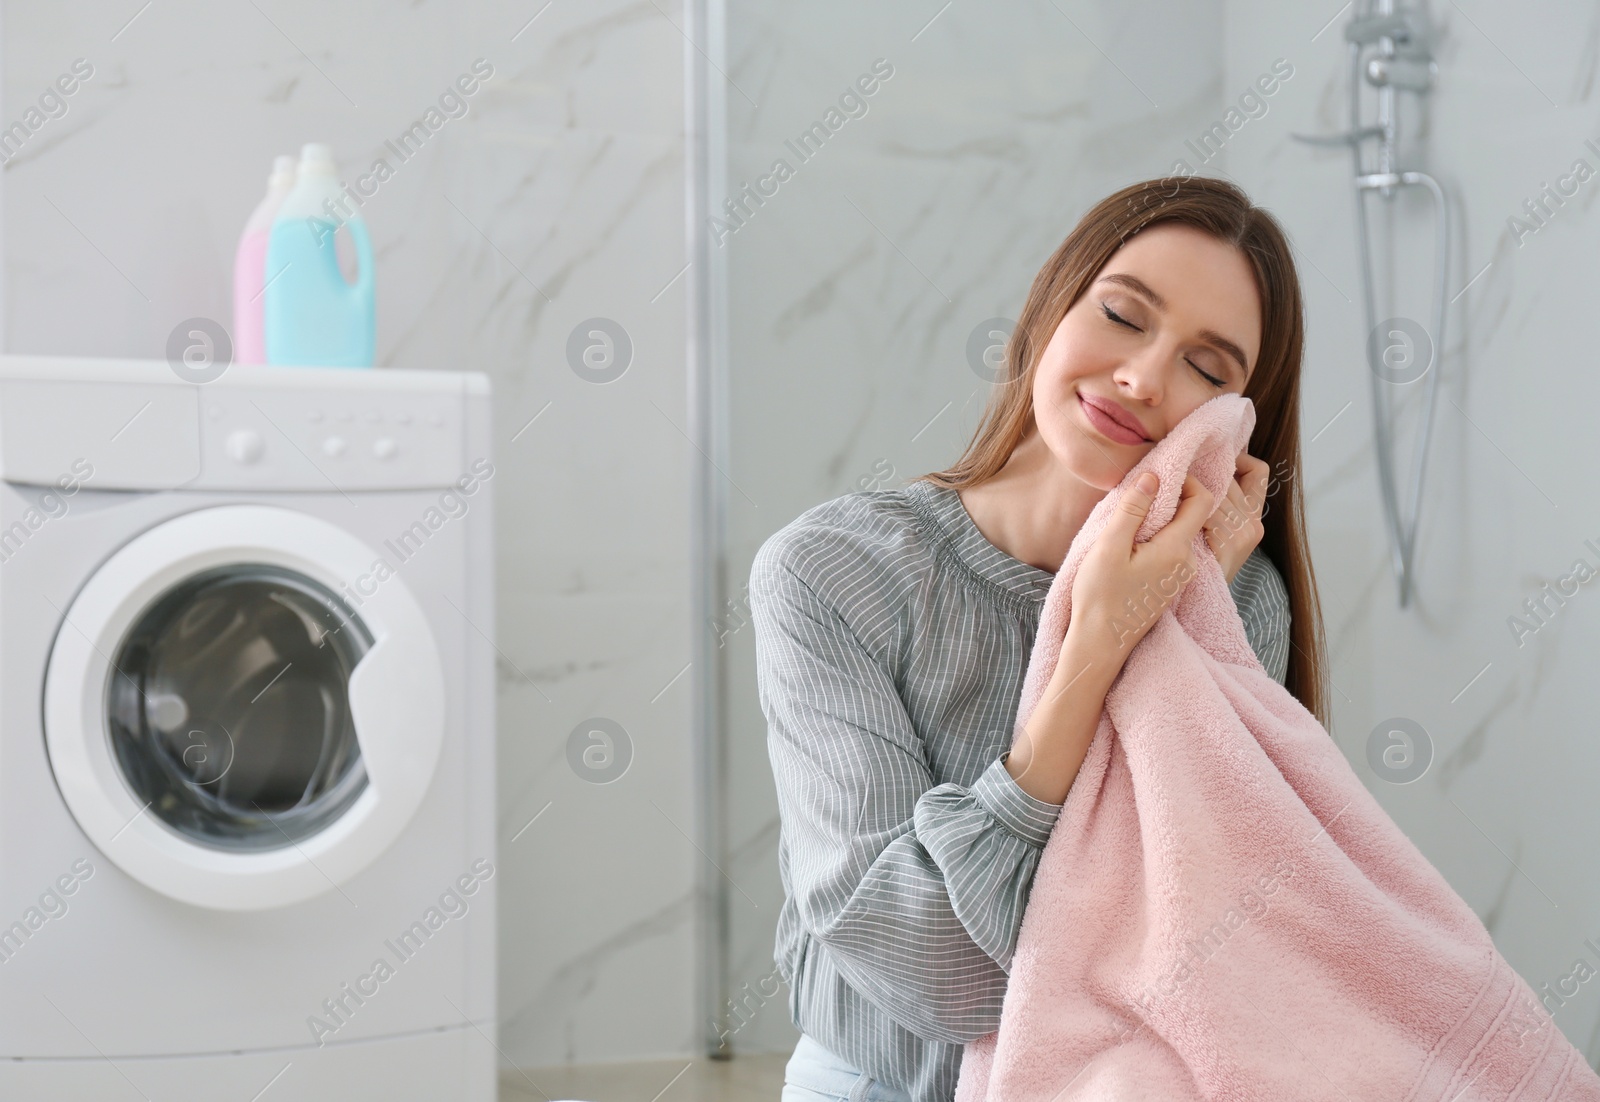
[1108, 426]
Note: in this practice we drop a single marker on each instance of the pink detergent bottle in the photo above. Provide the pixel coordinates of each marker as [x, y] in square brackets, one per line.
[250, 267]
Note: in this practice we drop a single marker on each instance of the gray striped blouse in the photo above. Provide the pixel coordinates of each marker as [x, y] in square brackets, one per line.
[891, 643]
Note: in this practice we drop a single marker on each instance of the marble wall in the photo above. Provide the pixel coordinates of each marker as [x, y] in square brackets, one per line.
[556, 198]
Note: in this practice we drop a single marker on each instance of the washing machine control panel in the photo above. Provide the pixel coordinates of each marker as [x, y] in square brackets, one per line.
[337, 442]
[135, 425]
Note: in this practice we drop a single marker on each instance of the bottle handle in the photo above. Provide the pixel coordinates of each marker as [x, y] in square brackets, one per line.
[364, 261]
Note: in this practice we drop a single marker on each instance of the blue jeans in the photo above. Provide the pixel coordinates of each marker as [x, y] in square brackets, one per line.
[814, 1074]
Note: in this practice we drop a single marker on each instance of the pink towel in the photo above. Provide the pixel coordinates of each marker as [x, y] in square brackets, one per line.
[1223, 911]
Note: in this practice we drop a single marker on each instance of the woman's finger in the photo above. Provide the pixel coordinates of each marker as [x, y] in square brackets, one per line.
[1244, 502]
[1253, 475]
[1195, 504]
[1134, 505]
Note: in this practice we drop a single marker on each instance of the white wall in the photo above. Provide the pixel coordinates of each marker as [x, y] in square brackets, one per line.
[557, 198]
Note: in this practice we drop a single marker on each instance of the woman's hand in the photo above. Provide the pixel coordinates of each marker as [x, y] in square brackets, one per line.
[1122, 588]
[1235, 529]
[1117, 596]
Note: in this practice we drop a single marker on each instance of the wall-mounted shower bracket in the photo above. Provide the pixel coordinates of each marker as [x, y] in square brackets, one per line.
[1403, 59]
[1411, 75]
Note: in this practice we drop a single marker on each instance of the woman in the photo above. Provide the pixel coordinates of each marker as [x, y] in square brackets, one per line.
[894, 627]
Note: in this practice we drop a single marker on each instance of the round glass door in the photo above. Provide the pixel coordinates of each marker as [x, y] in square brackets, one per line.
[228, 711]
[225, 726]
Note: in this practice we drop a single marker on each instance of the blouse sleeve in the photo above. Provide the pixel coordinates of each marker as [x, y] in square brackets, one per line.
[914, 890]
[1263, 602]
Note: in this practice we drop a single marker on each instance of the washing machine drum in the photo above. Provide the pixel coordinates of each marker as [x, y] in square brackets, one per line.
[254, 739]
[228, 710]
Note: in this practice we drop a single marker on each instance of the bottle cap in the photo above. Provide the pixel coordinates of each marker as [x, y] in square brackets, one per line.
[282, 171]
[316, 157]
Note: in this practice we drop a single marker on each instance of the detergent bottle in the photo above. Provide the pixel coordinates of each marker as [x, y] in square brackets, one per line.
[250, 266]
[314, 315]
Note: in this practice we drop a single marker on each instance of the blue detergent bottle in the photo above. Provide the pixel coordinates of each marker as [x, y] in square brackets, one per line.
[313, 315]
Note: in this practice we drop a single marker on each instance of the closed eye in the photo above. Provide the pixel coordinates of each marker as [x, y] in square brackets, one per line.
[1123, 321]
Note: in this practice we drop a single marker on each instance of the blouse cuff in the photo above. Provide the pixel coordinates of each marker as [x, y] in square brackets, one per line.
[1028, 818]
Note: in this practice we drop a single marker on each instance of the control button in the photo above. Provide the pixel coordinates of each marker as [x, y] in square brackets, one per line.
[334, 446]
[215, 411]
[404, 418]
[373, 416]
[315, 416]
[436, 420]
[383, 448]
[245, 446]
[345, 415]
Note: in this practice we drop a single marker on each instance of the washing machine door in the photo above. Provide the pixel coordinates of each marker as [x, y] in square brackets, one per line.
[227, 725]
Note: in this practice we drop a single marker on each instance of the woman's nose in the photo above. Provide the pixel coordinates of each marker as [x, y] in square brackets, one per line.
[1144, 378]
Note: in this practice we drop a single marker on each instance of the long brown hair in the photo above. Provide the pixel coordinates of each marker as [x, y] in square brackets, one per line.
[1224, 211]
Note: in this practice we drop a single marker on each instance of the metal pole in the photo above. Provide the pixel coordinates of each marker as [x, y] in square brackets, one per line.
[705, 153]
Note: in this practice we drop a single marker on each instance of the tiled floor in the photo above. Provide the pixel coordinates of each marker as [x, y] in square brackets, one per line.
[743, 1079]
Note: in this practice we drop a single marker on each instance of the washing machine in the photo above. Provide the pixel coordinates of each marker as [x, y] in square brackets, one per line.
[247, 842]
